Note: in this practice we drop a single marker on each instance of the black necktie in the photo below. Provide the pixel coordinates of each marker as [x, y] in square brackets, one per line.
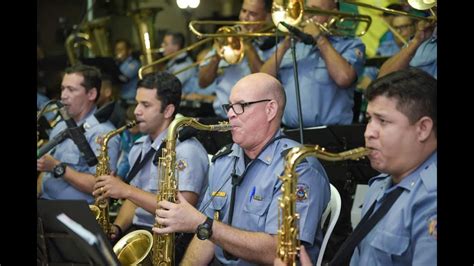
[139, 164]
[346, 250]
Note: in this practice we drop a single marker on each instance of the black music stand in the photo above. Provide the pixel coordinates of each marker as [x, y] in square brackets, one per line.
[59, 245]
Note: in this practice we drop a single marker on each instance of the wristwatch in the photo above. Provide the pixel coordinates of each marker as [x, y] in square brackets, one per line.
[204, 230]
[59, 170]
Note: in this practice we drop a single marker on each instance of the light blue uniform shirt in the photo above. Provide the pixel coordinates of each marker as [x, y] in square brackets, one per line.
[129, 68]
[231, 74]
[386, 48]
[256, 203]
[322, 102]
[67, 152]
[426, 56]
[178, 63]
[192, 163]
[406, 235]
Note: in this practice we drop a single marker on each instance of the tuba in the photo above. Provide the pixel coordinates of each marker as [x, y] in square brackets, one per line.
[288, 242]
[93, 35]
[144, 18]
[101, 207]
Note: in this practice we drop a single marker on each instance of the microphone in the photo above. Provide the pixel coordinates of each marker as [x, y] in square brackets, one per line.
[304, 37]
[77, 135]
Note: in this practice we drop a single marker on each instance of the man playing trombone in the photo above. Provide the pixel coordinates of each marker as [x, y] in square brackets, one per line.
[252, 10]
[328, 71]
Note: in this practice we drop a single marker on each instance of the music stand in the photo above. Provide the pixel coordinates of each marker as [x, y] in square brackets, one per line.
[59, 245]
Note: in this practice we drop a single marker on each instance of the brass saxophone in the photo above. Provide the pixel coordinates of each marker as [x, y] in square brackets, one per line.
[288, 242]
[163, 245]
[101, 207]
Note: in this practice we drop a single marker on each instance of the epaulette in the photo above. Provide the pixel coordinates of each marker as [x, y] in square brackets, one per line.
[223, 151]
[379, 177]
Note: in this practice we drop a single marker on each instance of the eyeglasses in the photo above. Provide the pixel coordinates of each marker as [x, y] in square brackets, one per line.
[238, 108]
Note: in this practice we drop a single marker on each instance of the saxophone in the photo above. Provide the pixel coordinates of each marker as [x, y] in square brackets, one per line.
[101, 207]
[288, 242]
[163, 245]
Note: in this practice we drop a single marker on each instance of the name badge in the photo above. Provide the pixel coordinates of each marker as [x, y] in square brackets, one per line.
[218, 194]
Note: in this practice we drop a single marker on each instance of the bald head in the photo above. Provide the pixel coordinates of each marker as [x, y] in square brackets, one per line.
[262, 86]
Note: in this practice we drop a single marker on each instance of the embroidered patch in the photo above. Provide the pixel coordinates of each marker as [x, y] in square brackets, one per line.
[302, 191]
[433, 227]
[181, 165]
[358, 53]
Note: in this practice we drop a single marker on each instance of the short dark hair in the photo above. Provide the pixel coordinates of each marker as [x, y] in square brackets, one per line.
[415, 91]
[178, 38]
[125, 41]
[168, 88]
[91, 74]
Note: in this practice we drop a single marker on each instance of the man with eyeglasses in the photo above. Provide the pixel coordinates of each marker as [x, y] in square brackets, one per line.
[405, 27]
[420, 52]
[238, 218]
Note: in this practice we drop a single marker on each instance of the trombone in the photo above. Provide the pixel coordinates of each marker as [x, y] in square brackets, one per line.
[172, 55]
[416, 4]
[292, 11]
[231, 49]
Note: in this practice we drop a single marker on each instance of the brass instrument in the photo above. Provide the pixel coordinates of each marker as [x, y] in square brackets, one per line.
[47, 108]
[341, 23]
[144, 19]
[170, 56]
[417, 4]
[163, 244]
[93, 35]
[101, 207]
[288, 242]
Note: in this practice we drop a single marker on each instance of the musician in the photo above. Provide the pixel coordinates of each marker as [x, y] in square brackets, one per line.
[128, 66]
[158, 98]
[328, 71]
[257, 50]
[421, 52]
[405, 26]
[253, 164]
[67, 174]
[402, 137]
[173, 42]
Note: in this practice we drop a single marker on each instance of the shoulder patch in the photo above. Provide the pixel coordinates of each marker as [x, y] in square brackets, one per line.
[223, 151]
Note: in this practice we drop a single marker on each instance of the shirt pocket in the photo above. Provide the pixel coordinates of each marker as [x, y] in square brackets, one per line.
[388, 245]
[255, 211]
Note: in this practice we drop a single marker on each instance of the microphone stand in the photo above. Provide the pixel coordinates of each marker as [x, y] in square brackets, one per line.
[297, 87]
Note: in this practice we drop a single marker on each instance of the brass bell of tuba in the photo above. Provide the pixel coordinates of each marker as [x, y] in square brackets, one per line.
[288, 242]
[93, 35]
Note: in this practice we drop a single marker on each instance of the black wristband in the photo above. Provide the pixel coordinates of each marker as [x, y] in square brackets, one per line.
[119, 229]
